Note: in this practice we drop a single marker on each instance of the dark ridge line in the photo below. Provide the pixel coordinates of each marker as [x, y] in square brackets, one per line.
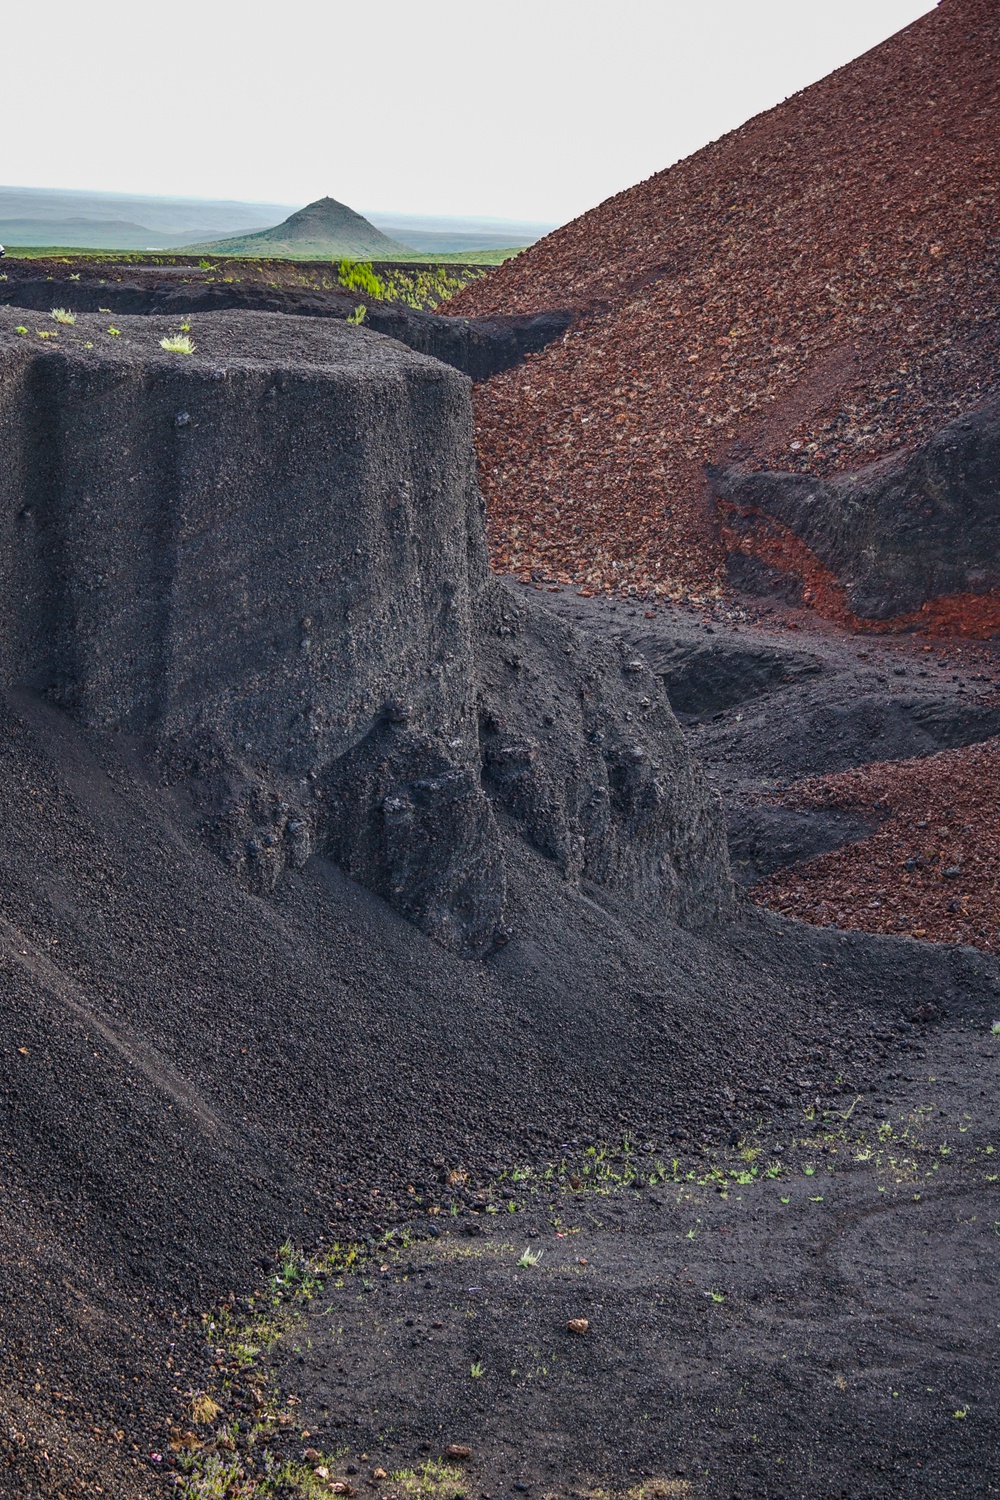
[479, 347]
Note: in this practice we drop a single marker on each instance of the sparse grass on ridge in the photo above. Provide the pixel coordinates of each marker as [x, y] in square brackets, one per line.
[420, 289]
[422, 284]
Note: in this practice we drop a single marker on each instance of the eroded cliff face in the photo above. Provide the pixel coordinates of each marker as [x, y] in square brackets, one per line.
[582, 754]
[267, 558]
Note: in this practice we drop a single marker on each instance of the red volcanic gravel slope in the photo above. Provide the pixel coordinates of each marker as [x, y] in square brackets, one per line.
[932, 869]
[813, 291]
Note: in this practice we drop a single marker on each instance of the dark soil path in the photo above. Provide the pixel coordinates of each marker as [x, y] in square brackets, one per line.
[812, 1314]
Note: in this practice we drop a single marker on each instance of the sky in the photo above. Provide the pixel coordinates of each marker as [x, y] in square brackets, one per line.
[522, 109]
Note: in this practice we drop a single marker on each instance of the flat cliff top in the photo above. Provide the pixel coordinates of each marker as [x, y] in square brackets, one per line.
[234, 338]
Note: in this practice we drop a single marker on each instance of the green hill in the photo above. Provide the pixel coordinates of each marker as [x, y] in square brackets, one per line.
[322, 230]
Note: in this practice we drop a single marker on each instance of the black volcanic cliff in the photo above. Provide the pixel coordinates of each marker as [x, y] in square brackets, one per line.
[268, 556]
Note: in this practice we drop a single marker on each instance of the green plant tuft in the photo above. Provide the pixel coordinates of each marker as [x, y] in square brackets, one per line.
[359, 276]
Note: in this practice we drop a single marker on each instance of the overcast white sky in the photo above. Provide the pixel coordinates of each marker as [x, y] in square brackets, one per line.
[528, 109]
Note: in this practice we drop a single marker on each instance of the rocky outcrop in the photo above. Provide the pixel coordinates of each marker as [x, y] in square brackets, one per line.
[894, 535]
[703, 676]
[413, 824]
[267, 558]
[582, 754]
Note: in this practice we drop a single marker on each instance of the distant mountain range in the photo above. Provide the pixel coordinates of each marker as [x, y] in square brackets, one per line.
[120, 221]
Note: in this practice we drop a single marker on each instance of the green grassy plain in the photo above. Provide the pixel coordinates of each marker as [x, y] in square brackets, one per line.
[165, 258]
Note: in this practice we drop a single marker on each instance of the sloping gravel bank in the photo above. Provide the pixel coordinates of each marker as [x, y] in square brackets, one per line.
[809, 293]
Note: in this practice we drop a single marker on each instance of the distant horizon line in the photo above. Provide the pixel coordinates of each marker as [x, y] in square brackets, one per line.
[393, 215]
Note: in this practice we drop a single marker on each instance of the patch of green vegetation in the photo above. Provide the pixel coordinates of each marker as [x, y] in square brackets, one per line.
[897, 1152]
[420, 289]
[659, 1489]
[233, 1457]
[359, 276]
[480, 257]
[218, 1476]
[432, 1481]
[54, 252]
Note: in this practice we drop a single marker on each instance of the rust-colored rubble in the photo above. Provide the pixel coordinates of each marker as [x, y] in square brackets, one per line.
[932, 868]
[809, 293]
